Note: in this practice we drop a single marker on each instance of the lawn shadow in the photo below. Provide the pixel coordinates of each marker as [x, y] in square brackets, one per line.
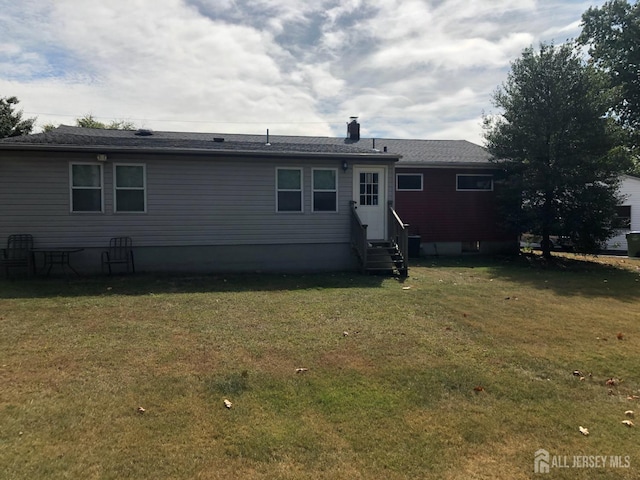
[144, 284]
[565, 274]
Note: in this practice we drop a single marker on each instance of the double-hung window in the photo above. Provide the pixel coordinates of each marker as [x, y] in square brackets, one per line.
[289, 189]
[129, 183]
[86, 181]
[325, 190]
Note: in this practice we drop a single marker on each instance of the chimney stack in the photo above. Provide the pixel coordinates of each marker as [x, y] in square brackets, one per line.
[353, 129]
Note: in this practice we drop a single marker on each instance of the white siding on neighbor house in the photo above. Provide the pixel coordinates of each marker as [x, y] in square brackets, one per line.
[630, 189]
[190, 201]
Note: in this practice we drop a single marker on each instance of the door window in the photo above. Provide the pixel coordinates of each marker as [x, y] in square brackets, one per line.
[369, 186]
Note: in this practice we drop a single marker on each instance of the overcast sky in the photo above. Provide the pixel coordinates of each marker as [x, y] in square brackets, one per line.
[421, 69]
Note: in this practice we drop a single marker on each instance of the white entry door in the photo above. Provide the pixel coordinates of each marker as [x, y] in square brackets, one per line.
[369, 193]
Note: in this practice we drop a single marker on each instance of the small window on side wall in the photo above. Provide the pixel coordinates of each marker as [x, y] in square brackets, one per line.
[623, 217]
[409, 182]
[288, 189]
[86, 187]
[325, 190]
[478, 183]
[129, 183]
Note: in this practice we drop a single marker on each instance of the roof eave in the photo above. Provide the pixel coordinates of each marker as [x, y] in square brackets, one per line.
[194, 151]
[487, 164]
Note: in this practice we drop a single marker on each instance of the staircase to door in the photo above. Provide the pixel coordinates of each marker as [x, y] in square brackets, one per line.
[387, 257]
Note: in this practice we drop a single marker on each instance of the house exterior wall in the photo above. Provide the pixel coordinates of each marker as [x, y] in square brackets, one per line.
[450, 221]
[202, 212]
[630, 189]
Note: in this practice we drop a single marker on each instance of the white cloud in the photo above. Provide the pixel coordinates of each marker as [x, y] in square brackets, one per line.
[407, 67]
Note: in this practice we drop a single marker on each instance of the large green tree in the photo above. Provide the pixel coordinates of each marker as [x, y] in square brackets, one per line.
[556, 149]
[11, 122]
[612, 34]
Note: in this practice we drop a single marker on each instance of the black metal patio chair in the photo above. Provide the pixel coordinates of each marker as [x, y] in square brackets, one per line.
[18, 255]
[120, 252]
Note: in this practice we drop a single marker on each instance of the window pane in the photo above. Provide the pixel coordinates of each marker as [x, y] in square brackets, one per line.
[86, 200]
[409, 182]
[289, 179]
[324, 179]
[324, 201]
[86, 175]
[289, 201]
[475, 182]
[129, 176]
[130, 200]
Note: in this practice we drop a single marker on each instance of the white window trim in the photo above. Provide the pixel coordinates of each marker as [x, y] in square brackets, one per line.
[313, 190]
[412, 189]
[301, 190]
[116, 188]
[474, 189]
[72, 188]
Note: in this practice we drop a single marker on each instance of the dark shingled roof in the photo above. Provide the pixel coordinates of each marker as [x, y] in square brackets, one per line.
[412, 152]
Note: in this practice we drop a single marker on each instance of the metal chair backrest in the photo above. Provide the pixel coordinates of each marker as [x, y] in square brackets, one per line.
[120, 248]
[19, 246]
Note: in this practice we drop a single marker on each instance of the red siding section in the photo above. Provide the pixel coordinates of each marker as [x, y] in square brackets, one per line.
[439, 213]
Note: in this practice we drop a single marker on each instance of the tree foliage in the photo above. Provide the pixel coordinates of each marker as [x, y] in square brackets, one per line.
[556, 149]
[11, 122]
[89, 121]
[612, 34]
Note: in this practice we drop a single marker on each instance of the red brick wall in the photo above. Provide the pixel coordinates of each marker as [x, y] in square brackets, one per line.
[439, 213]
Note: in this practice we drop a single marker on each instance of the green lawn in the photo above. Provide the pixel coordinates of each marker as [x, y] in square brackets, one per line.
[463, 370]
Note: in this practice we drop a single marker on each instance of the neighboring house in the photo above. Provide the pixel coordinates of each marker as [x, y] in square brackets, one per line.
[628, 213]
[198, 202]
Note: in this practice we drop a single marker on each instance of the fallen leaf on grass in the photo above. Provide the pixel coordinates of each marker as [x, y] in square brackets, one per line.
[628, 423]
[630, 413]
[577, 373]
[406, 288]
[227, 403]
[479, 388]
[620, 336]
[345, 334]
[141, 410]
[583, 430]
[301, 370]
[612, 382]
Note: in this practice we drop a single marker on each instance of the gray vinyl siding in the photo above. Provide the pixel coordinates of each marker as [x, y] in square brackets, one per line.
[190, 201]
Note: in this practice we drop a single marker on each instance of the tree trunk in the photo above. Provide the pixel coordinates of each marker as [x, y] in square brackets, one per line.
[545, 245]
[547, 218]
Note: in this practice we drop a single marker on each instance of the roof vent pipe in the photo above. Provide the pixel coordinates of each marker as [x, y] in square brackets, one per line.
[267, 138]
